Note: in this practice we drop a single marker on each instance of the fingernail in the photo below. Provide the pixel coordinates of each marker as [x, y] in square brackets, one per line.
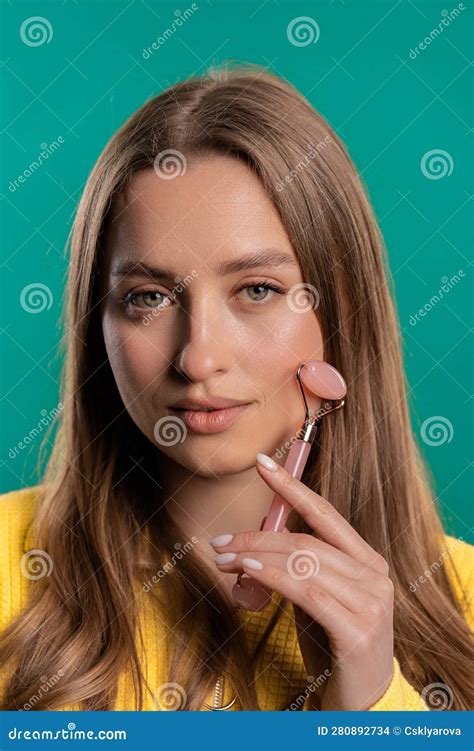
[267, 462]
[220, 540]
[225, 558]
[252, 563]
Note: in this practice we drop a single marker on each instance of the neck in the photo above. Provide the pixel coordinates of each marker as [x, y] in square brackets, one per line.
[207, 505]
[204, 506]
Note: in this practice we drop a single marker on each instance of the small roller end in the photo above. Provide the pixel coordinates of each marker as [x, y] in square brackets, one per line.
[251, 595]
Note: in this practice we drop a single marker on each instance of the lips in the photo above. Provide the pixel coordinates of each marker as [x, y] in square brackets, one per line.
[205, 422]
[204, 405]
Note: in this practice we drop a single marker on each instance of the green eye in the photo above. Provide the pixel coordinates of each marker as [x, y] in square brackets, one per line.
[258, 291]
[150, 298]
[156, 298]
[259, 295]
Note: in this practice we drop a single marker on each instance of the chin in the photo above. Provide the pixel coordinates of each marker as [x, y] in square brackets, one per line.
[226, 462]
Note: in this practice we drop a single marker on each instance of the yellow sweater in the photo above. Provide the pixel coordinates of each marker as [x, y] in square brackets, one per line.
[280, 674]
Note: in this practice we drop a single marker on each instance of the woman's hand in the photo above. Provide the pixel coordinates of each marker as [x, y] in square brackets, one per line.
[339, 587]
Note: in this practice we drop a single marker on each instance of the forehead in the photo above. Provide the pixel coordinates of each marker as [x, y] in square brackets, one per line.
[216, 181]
[216, 209]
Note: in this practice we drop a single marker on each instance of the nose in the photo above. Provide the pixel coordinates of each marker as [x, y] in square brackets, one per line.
[206, 349]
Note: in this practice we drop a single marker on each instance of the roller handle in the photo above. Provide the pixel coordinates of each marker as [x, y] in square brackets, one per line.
[248, 593]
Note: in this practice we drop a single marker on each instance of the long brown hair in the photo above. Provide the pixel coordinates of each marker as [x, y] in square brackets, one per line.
[97, 497]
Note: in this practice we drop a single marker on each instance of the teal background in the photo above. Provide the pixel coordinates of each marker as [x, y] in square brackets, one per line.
[389, 109]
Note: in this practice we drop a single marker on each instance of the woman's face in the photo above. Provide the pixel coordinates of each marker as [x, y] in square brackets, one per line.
[189, 331]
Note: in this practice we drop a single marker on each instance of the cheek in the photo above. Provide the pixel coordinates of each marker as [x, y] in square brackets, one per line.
[295, 336]
[136, 358]
[295, 339]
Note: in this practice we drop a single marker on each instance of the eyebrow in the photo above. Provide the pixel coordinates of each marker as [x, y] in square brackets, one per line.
[267, 257]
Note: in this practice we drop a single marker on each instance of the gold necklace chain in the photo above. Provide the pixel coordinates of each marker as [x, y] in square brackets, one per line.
[218, 697]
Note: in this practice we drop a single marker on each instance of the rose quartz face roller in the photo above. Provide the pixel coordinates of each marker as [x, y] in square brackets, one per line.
[326, 382]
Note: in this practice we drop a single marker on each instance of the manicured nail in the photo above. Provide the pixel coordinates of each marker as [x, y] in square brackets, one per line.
[225, 558]
[252, 563]
[221, 540]
[267, 462]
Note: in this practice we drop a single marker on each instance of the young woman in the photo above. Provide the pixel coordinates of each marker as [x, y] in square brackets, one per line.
[223, 238]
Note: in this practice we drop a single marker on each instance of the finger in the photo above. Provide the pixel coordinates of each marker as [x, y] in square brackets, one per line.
[320, 605]
[303, 567]
[321, 516]
[277, 542]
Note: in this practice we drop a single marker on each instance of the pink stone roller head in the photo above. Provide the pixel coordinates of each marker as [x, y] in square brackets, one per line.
[326, 382]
